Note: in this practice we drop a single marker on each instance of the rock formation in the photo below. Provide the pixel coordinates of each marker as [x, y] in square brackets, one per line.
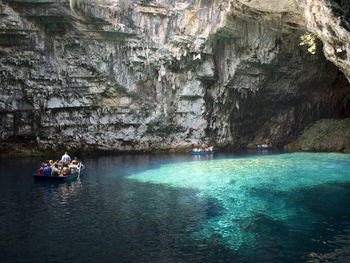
[324, 135]
[154, 74]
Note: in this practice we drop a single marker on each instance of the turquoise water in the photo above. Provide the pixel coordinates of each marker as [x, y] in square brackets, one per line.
[279, 208]
[250, 190]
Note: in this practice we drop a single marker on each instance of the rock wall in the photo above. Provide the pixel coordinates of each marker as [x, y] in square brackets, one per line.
[329, 20]
[148, 75]
[324, 135]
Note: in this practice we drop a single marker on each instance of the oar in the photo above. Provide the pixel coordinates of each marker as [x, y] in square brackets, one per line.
[79, 169]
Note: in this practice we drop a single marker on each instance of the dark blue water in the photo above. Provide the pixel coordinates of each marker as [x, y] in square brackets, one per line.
[178, 208]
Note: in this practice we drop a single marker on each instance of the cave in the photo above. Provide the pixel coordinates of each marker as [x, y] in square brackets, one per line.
[148, 75]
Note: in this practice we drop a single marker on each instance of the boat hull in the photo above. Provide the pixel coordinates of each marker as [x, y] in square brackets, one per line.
[43, 178]
[202, 153]
[264, 148]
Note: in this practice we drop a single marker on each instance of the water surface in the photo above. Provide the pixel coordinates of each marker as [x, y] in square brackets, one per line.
[180, 208]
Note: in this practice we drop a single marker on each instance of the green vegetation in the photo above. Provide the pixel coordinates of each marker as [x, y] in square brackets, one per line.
[324, 136]
[309, 39]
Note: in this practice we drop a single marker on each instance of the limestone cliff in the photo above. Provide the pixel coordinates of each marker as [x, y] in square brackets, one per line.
[145, 75]
[329, 20]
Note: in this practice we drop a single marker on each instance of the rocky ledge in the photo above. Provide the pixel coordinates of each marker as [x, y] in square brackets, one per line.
[324, 135]
[157, 75]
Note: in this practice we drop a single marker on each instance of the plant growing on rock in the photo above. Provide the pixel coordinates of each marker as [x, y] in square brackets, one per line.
[309, 39]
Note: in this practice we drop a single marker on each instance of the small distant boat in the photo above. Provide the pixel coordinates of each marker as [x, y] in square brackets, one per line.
[264, 147]
[202, 152]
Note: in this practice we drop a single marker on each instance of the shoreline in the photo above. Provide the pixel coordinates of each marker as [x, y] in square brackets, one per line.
[99, 152]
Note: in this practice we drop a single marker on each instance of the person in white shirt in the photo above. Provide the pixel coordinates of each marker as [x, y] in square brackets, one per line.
[65, 158]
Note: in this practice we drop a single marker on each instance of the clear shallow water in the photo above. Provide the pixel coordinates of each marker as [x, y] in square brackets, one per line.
[180, 208]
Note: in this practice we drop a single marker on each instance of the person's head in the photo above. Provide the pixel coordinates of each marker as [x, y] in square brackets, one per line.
[50, 162]
[43, 164]
[65, 152]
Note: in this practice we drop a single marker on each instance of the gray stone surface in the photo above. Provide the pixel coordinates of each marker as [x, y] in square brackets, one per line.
[150, 75]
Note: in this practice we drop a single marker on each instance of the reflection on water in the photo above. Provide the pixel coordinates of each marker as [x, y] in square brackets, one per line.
[59, 191]
[180, 208]
[203, 157]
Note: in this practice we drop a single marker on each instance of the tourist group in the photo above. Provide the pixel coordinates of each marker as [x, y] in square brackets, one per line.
[204, 149]
[62, 167]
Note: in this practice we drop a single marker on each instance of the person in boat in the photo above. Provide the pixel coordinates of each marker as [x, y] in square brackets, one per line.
[65, 158]
[47, 170]
[55, 171]
[79, 163]
[41, 169]
[65, 170]
[76, 161]
[74, 166]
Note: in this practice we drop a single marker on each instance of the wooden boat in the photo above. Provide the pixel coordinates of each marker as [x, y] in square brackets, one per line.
[202, 152]
[68, 177]
[55, 178]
